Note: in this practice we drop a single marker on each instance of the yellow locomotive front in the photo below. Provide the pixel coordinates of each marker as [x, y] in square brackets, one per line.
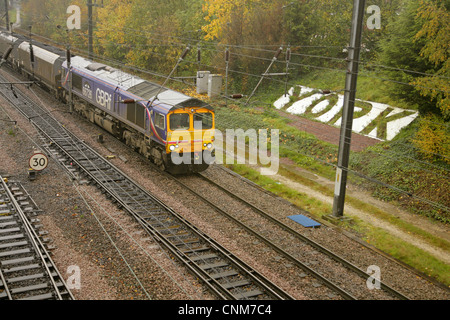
[190, 138]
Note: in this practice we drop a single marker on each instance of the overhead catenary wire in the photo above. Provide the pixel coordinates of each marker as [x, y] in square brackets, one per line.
[376, 181]
[145, 34]
[160, 75]
[246, 73]
[258, 76]
[321, 68]
[48, 113]
[294, 63]
[256, 47]
[99, 171]
[112, 242]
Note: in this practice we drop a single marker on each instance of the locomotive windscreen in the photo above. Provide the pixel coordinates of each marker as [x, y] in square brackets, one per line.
[203, 118]
[179, 121]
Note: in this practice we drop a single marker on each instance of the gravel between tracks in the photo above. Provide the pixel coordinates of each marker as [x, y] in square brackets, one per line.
[76, 217]
[393, 274]
[81, 241]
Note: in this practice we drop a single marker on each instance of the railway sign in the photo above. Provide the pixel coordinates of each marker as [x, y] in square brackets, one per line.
[38, 162]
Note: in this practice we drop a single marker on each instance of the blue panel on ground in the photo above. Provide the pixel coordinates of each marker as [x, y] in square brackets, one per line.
[305, 221]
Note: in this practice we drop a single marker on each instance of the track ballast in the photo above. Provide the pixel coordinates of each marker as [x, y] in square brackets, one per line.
[222, 272]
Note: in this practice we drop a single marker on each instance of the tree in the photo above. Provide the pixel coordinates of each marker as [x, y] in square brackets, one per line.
[371, 37]
[149, 34]
[436, 33]
[253, 31]
[111, 33]
[432, 139]
[400, 49]
[48, 18]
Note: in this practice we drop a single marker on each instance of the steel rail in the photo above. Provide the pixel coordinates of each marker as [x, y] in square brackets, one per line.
[3, 279]
[257, 279]
[34, 239]
[35, 119]
[163, 239]
[5, 285]
[294, 260]
[314, 244]
[39, 249]
[158, 235]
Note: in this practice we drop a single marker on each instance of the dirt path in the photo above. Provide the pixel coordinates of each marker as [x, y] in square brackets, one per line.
[434, 228]
[359, 142]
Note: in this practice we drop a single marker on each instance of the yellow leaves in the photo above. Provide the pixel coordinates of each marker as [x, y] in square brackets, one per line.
[112, 27]
[220, 13]
[433, 139]
[436, 88]
[192, 92]
[436, 30]
[436, 34]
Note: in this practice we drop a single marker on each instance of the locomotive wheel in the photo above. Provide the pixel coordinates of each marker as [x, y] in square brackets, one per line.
[162, 164]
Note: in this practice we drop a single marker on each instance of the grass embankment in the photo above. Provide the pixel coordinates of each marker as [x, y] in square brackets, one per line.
[390, 163]
[394, 170]
[378, 237]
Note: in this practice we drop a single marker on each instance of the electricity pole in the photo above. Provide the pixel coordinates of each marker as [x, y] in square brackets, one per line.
[91, 26]
[227, 64]
[90, 30]
[347, 112]
[275, 58]
[7, 14]
[69, 67]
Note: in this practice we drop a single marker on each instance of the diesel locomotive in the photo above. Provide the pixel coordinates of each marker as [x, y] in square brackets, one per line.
[171, 129]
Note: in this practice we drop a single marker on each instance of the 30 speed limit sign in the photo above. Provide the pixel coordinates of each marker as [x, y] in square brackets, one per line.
[38, 162]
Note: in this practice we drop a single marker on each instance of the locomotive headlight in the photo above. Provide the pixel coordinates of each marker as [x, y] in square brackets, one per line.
[209, 145]
[172, 148]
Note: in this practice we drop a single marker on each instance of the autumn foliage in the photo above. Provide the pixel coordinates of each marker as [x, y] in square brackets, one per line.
[432, 139]
[151, 34]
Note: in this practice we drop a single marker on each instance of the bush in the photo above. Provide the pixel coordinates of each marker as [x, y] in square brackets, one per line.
[433, 139]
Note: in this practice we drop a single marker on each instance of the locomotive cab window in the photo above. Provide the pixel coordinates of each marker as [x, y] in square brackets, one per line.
[179, 121]
[160, 121]
[204, 119]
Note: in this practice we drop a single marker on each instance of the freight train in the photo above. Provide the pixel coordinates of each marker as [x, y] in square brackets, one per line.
[171, 129]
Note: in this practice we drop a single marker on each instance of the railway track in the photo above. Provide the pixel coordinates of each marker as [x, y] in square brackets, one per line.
[83, 163]
[26, 270]
[222, 272]
[287, 238]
